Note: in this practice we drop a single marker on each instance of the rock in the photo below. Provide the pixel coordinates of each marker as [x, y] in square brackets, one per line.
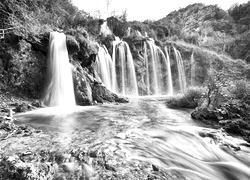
[11, 167]
[90, 90]
[234, 128]
[237, 127]
[22, 108]
[204, 114]
[83, 91]
[101, 94]
[72, 45]
[155, 168]
[37, 104]
[109, 167]
[69, 167]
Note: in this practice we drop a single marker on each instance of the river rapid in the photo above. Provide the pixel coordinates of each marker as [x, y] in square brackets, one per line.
[146, 131]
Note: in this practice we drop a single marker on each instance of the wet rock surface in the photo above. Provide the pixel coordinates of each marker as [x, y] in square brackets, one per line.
[89, 89]
[233, 118]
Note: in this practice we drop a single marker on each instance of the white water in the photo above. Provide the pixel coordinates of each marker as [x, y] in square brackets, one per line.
[60, 91]
[145, 130]
[192, 63]
[118, 73]
[170, 82]
[158, 72]
[105, 30]
[123, 73]
[181, 70]
[104, 63]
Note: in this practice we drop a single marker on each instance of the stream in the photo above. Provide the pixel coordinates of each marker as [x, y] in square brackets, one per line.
[144, 130]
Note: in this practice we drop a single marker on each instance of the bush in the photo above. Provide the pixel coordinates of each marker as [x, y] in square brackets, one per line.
[191, 98]
[241, 91]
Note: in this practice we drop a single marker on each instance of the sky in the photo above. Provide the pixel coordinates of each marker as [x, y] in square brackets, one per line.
[141, 10]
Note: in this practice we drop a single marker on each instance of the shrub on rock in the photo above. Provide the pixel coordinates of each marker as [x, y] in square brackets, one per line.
[190, 99]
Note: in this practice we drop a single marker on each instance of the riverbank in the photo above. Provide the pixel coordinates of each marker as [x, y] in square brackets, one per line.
[233, 118]
[15, 102]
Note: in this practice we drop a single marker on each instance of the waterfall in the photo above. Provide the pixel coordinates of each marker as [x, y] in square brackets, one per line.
[104, 63]
[147, 68]
[123, 71]
[118, 73]
[158, 72]
[105, 30]
[181, 70]
[170, 82]
[192, 62]
[60, 91]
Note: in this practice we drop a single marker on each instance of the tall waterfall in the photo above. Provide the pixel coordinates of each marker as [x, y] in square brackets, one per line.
[181, 70]
[118, 73]
[123, 71]
[105, 30]
[104, 63]
[192, 63]
[158, 73]
[170, 82]
[60, 90]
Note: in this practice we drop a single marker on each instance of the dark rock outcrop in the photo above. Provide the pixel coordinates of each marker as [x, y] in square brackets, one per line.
[205, 114]
[233, 118]
[89, 89]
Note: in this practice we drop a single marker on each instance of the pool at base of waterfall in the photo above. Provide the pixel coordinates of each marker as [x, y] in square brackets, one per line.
[142, 139]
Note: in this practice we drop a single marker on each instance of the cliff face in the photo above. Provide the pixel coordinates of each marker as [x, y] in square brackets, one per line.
[196, 18]
[23, 66]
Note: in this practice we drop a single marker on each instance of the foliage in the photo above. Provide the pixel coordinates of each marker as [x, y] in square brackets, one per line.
[206, 26]
[241, 15]
[117, 26]
[24, 69]
[86, 45]
[32, 18]
[241, 91]
[239, 47]
[154, 30]
[191, 98]
[215, 85]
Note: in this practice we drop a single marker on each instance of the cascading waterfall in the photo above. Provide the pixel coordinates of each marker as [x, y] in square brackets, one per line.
[123, 73]
[104, 63]
[170, 82]
[118, 73]
[181, 70]
[105, 30]
[60, 90]
[158, 72]
[192, 62]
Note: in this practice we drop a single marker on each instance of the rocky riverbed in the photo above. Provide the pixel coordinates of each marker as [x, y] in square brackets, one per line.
[138, 140]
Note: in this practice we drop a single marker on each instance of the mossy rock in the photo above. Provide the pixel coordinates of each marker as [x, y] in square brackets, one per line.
[72, 44]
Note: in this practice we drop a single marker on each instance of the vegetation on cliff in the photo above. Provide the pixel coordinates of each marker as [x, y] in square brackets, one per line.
[23, 52]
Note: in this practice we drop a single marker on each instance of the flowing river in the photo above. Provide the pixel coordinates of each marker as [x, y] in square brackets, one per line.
[144, 130]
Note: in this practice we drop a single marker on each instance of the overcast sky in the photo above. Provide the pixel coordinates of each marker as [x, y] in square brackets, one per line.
[144, 9]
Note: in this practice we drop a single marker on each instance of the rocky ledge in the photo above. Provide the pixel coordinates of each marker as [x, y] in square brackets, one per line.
[234, 118]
